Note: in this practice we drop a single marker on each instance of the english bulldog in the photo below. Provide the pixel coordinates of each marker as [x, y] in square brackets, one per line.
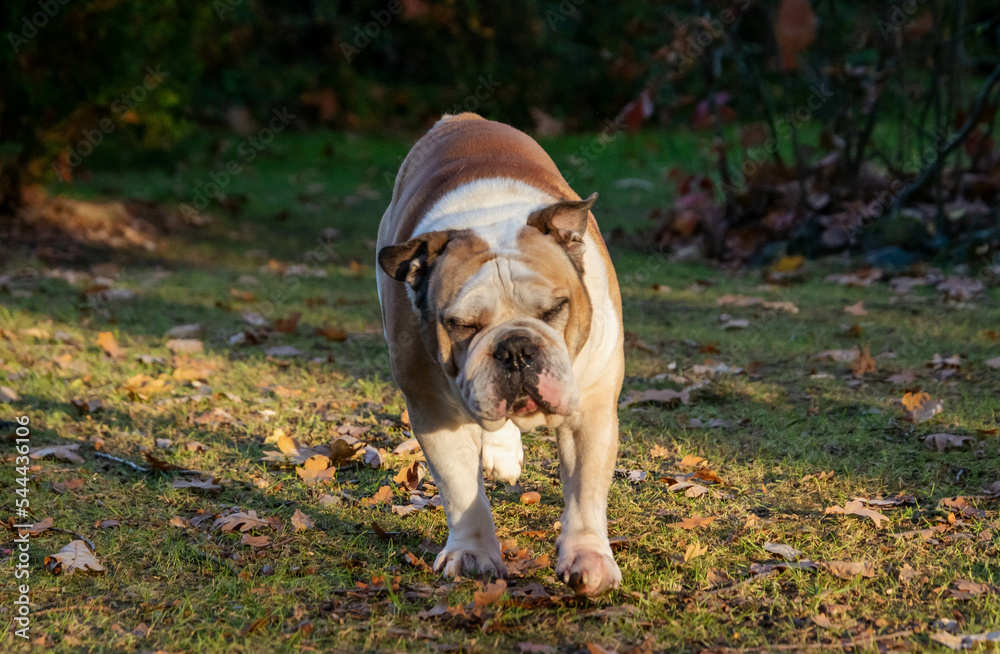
[502, 314]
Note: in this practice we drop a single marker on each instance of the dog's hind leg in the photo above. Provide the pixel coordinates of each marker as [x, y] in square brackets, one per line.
[502, 454]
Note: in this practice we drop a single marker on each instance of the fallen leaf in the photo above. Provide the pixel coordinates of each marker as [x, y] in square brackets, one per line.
[185, 346]
[106, 341]
[848, 569]
[994, 362]
[71, 485]
[196, 446]
[204, 484]
[904, 377]
[382, 496]
[943, 441]
[786, 552]
[74, 556]
[288, 325]
[921, 407]
[316, 470]
[409, 476]
[178, 521]
[38, 527]
[691, 461]
[406, 447]
[8, 395]
[489, 594]
[92, 405]
[857, 309]
[289, 451]
[332, 334]
[854, 507]
[242, 521]
[965, 641]
[693, 522]
[107, 524]
[694, 550]
[823, 621]
[863, 364]
[255, 541]
[840, 356]
[65, 452]
[302, 522]
[372, 457]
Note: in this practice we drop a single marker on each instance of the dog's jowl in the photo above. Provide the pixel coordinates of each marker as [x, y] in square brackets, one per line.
[502, 313]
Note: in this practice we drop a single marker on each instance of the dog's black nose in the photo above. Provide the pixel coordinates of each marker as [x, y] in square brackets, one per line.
[515, 353]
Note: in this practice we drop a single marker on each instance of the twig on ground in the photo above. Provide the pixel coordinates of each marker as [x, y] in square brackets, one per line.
[134, 466]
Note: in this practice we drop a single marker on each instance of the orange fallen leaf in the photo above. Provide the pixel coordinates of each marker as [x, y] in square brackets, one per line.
[288, 325]
[107, 342]
[693, 522]
[316, 470]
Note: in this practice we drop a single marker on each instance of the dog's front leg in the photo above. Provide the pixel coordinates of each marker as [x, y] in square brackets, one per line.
[453, 454]
[588, 446]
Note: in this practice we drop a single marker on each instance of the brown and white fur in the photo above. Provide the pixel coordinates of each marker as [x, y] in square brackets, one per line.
[502, 313]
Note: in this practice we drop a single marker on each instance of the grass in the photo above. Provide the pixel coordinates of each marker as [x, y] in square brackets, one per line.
[787, 416]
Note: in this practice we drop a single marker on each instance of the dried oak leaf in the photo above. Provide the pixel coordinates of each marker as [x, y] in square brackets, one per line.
[242, 521]
[205, 484]
[848, 569]
[382, 496]
[855, 507]
[73, 557]
[316, 470]
[409, 476]
[288, 325]
[944, 441]
[693, 522]
[489, 594]
[302, 522]
[921, 407]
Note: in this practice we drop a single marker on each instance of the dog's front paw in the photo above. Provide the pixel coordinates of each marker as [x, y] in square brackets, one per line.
[469, 558]
[586, 564]
[502, 454]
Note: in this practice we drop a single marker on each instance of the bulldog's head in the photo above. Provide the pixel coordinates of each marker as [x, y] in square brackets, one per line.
[504, 324]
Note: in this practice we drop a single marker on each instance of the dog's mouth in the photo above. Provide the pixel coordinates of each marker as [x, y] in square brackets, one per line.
[530, 401]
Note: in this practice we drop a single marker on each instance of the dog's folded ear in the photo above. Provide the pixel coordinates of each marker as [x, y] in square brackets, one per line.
[566, 221]
[409, 262]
